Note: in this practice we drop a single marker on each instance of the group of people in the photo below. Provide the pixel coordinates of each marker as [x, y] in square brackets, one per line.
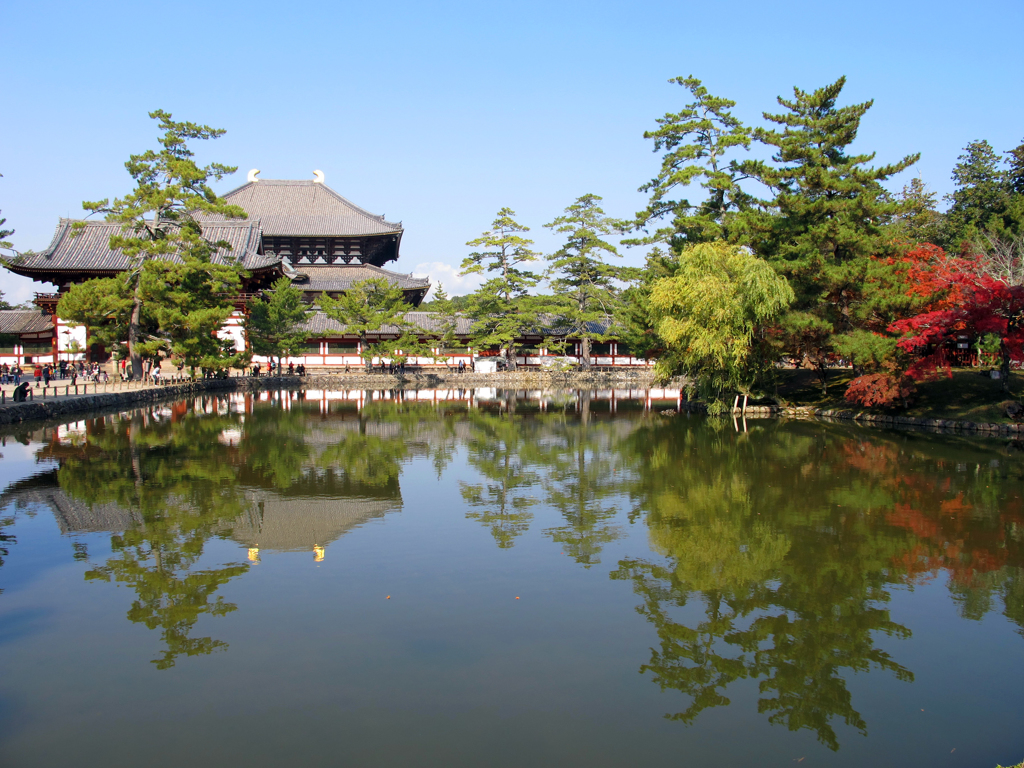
[44, 373]
[272, 367]
[10, 374]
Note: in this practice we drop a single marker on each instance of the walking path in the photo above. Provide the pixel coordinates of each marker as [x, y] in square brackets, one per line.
[60, 389]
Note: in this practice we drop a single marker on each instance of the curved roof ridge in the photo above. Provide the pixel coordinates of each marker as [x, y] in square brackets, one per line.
[299, 208]
[350, 204]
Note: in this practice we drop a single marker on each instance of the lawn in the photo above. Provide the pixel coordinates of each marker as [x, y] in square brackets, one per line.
[969, 396]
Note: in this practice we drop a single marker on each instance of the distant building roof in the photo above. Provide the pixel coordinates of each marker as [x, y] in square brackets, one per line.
[341, 277]
[24, 321]
[320, 324]
[306, 209]
[88, 250]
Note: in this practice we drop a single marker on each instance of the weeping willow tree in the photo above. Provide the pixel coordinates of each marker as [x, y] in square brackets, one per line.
[712, 317]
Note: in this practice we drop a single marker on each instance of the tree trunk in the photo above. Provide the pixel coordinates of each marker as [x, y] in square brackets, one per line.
[133, 336]
[585, 350]
[368, 360]
[510, 357]
[585, 406]
[822, 368]
[1004, 367]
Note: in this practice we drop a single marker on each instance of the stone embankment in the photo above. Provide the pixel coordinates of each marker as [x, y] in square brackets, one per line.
[55, 403]
[56, 406]
[944, 426]
[949, 426]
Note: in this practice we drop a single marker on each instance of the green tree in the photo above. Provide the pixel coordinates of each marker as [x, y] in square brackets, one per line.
[988, 199]
[696, 143]
[189, 301]
[371, 306]
[175, 479]
[502, 306]
[445, 319]
[5, 233]
[712, 317]
[919, 220]
[827, 218]
[161, 219]
[274, 323]
[586, 292]
[104, 306]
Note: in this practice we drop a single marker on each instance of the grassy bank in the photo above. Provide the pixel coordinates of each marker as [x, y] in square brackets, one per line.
[968, 396]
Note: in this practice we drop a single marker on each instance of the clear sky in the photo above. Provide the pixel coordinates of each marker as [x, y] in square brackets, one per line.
[438, 114]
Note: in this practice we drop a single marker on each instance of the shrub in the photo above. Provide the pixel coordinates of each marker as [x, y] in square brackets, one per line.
[885, 390]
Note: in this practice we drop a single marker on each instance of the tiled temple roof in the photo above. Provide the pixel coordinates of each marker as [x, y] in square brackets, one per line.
[319, 324]
[341, 277]
[88, 250]
[306, 209]
[24, 321]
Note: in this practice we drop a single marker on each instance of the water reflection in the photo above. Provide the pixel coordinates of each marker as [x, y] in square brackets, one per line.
[159, 472]
[768, 555]
[790, 539]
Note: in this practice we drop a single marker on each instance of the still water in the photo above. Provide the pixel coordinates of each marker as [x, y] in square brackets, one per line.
[489, 578]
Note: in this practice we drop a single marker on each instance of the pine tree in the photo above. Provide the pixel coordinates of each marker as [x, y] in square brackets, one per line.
[275, 319]
[501, 305]
[160, 218]
[696, 142]
[827, 219]
[980, 198]
[372, 306]
[919, 221]
[586, 293]
[445, 320]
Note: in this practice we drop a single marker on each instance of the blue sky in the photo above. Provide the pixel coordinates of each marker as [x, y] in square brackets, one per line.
[437, 114]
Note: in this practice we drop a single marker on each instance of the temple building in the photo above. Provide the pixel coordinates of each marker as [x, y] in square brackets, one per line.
[300, 229]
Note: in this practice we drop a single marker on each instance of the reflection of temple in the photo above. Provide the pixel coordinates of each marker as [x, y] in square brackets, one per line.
[303, 524]
[274, 522]
[72, 516]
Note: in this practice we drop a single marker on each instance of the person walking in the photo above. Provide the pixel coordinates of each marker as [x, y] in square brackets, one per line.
[46, 375]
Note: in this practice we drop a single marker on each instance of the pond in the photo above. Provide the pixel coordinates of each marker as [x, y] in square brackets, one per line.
[470, 578]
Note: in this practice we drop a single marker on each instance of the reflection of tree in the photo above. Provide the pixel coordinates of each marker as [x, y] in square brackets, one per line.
[273, 449]
[170, 596]
[792, 593]
[502, 449]
[372, 453]
[582, 474]
[181, 483]
[5, 539]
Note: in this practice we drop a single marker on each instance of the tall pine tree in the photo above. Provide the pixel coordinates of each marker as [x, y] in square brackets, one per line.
[586, 293]
[274, 324]
[826, 221]
[696, 142]
[502, 305]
